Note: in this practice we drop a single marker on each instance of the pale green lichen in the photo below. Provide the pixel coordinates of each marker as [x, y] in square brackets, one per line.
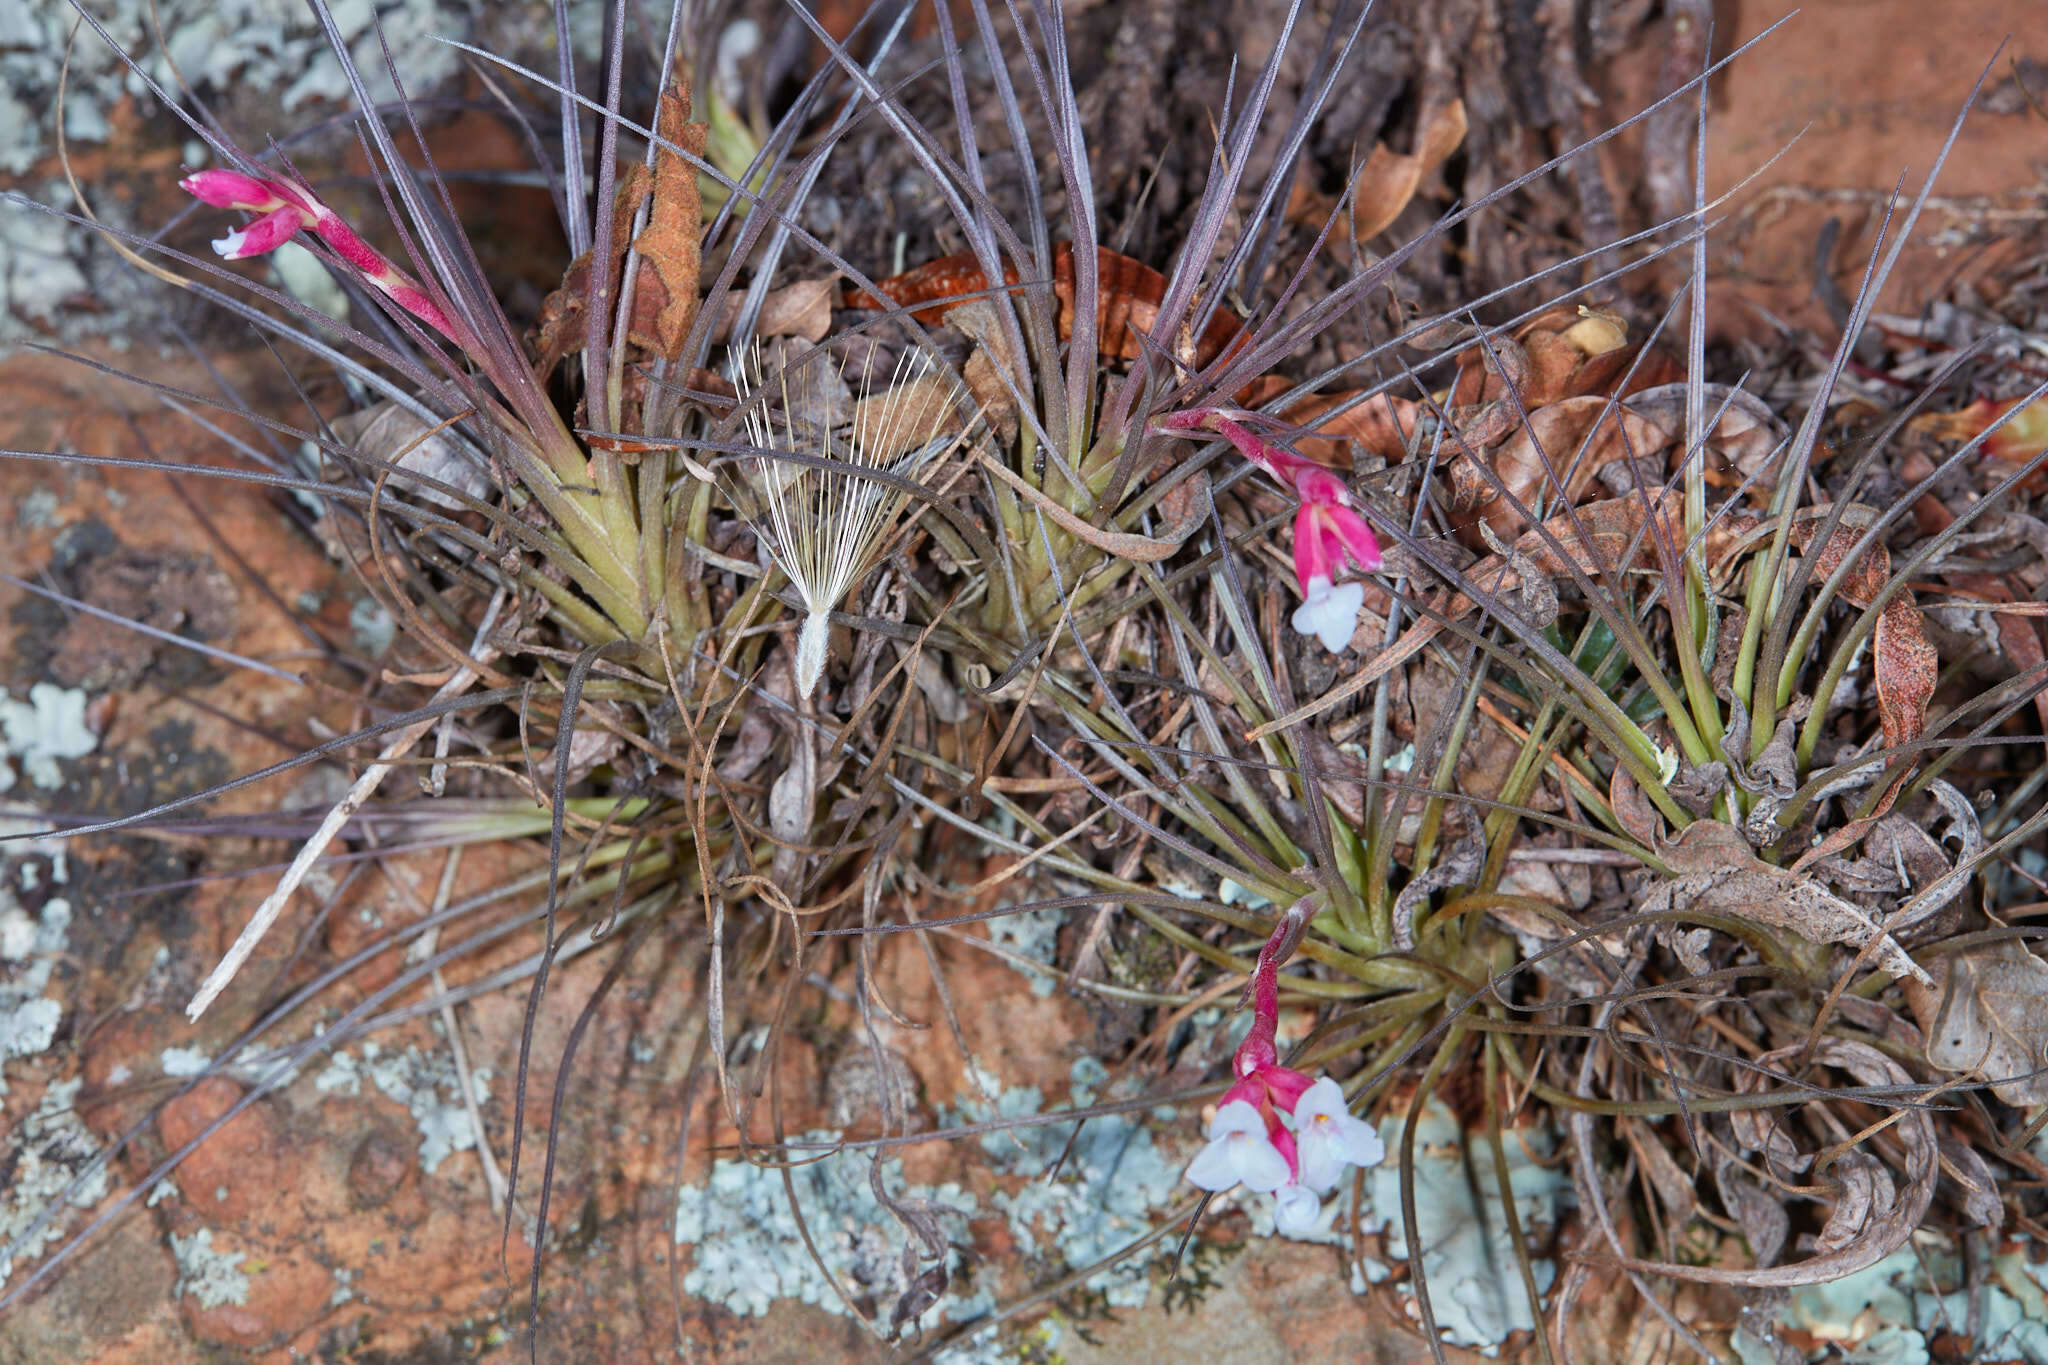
[29, 953]
[1033, 935]
[1885, 1314]
[212, 1277]
[48, 727]
[49, 1149]
[372, 627]
[184, 1061]
[749, 1247]
[427, 1084]
[1112, 1180]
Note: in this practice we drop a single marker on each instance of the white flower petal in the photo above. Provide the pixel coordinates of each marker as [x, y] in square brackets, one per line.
[1239, 1150]
[1328, 1138]
[1212, 1169]
[1238, 1116]
[1330, 613]
[1296, 1211]
[1259, 1163]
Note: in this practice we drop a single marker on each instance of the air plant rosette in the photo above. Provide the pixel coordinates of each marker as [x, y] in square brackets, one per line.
[1520, 708]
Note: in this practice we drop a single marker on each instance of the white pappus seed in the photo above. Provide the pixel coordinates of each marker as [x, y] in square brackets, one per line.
[828, 518]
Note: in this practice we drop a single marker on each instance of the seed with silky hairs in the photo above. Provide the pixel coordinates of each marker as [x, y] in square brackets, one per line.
[829, 515]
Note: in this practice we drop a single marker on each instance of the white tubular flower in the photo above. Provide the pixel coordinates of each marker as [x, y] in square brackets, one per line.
[1328, 1139]
[1239, 1150]
[1330, 613]
[1296, 1210]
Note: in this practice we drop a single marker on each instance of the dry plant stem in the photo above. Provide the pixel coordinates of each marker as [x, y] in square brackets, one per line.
[360, 791]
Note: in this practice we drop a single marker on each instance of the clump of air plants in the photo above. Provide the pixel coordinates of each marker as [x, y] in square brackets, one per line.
[1720, 811]
[1026, 543]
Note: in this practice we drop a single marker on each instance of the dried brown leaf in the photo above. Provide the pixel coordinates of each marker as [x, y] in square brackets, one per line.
[1976, 1188]
[1762, 1218]
[1573, 438]
[1718, 874]
[802, 309]
[671, 245]
[1389, 179]
[1993, 1020]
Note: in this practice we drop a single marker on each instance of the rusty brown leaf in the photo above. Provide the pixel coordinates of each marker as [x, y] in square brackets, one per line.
[1904, 664]
[671, 245]
[1390, 179]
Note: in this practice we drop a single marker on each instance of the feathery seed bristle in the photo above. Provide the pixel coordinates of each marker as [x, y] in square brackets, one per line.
[827, 522]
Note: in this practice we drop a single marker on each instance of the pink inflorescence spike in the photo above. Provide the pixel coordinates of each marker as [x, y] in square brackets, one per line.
[283, 211]
[1328, 532]
[1279, 1131]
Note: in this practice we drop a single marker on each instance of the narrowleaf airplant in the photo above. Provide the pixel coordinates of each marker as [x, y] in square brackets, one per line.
[665, 555]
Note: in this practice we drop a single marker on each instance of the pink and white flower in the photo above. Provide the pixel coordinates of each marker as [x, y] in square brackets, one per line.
[1279, 1131]
[1328, 532]
[284, 211]
[1327, 1138]
[1240, 1151]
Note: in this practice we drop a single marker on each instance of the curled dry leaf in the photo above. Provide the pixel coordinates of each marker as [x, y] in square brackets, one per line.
[1992, 1020]
[1719, 875]
[1872, 1217]
[401, 437]
[1460, 866]
[1569, 441]
[1389, 180]
[1863, 1189]
[802, 309]
[1127, 309]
